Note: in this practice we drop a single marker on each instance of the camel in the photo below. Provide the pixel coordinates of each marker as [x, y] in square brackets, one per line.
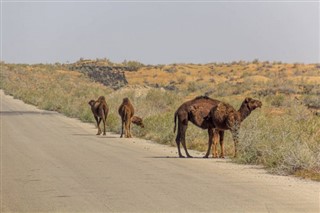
[202, 110]
[126, 112]
[100, 112]
[224, 117]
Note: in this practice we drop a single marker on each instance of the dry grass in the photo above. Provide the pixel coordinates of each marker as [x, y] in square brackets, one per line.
[284, 135]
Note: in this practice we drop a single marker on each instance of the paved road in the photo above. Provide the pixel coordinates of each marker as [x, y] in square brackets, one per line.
[50, 163]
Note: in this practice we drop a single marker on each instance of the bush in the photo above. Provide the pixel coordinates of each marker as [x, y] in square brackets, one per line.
[283, 144]
[277, 100]
[133, 65]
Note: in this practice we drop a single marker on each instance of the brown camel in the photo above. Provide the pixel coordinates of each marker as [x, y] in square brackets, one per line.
[196, 111]
[225, 117]
[100, 112]
[126, 112]
[199, 112]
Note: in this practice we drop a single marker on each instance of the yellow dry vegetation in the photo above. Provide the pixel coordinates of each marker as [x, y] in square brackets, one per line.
[181, 75]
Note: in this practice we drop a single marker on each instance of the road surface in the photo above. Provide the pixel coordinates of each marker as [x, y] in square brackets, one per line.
[50, 163]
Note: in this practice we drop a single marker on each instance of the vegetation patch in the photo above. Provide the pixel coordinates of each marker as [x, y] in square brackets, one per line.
[283, 135]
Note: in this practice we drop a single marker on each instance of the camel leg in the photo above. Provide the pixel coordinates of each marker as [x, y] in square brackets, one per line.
[96, 118]
[210, 134]
[178, 140]
[130, 136]
[127, 129]
[183, 139]
[103, 118]
[104, 126]
[215, 142]
[98, 124]
[235, 136]
[121, 129]
[221, 134]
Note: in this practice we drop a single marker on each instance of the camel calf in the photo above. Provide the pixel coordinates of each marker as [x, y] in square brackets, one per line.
[100, 112]
[224, 117]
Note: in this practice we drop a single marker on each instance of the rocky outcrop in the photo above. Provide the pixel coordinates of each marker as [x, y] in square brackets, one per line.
[111, 76]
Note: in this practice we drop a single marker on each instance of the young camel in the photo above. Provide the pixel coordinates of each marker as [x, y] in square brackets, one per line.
[224, 117]
[126, 112]
[100, 112]
[200, 111]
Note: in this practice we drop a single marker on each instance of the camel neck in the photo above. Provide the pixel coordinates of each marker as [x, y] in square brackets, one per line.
[244, 111]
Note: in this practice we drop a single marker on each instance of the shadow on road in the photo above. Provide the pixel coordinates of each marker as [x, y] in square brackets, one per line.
[171, 157]
[93, 135]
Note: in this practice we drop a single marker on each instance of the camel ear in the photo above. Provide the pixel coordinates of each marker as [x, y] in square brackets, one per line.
[247, 100]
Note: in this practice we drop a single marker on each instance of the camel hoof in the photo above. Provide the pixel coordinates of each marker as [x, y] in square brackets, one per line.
[206, 156]
[189, 156]
[181, 156]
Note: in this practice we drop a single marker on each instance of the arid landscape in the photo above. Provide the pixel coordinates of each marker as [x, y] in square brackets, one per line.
[283, 135]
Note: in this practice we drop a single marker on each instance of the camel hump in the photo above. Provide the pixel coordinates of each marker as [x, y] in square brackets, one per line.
[202, 97]
[102, 99]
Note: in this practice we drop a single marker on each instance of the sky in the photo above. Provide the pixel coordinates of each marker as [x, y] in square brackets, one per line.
[160, 32]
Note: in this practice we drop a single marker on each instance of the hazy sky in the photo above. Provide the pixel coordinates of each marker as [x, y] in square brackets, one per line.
[160, 32]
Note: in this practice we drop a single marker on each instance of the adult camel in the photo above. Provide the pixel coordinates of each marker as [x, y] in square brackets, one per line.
[213, 115]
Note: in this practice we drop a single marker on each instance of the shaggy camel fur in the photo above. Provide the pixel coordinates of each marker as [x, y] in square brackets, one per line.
[200, 111]
[100, 112]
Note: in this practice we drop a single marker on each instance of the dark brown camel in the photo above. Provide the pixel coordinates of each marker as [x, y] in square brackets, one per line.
[100, 112]
[199, 112]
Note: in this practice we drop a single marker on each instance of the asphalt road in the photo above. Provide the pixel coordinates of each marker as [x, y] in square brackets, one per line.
[50, 163]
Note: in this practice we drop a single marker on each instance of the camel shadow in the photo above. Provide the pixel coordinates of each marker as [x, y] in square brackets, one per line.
[104, 136]
[81, 134]
[177, 157]
[94, 135]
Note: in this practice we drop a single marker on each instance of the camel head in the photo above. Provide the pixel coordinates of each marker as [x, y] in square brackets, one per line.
[92, 102]
[137, 121]
[251, 103]
[247, 106]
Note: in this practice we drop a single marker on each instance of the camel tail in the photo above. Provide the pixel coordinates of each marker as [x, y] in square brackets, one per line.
[175, 122]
